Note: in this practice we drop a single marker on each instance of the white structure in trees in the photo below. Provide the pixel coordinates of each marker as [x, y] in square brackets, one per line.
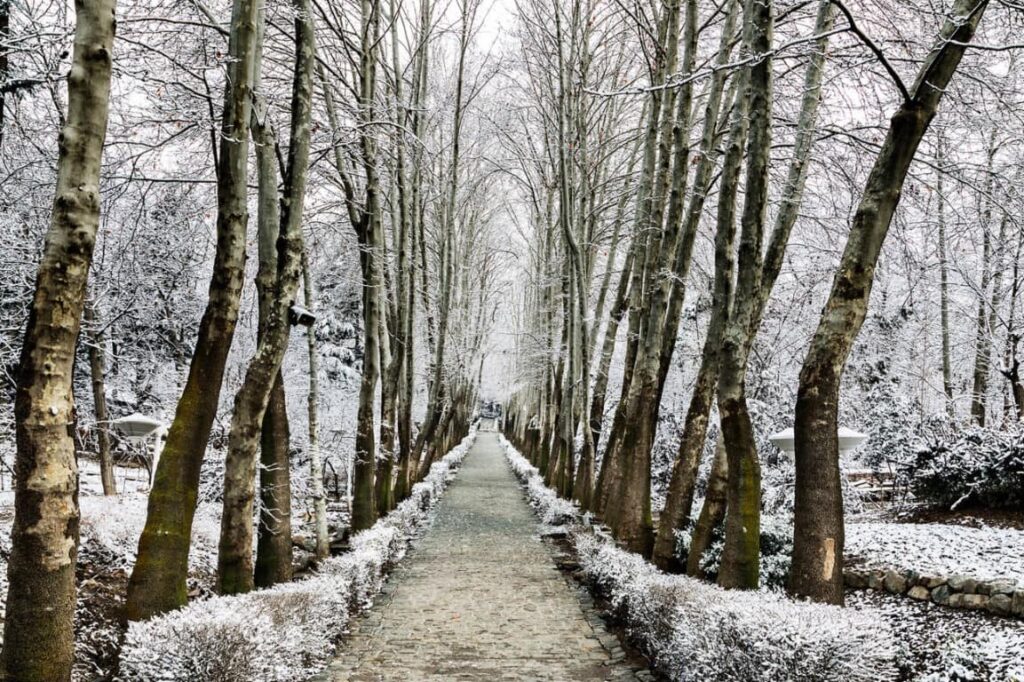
[849, 440]
[138, 428]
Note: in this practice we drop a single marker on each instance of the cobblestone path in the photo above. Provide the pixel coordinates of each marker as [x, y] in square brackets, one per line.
[479, 598]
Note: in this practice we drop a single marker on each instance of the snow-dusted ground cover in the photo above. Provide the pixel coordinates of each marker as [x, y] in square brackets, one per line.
[286, 632]
[695, 631]
[938, 549]
[937, 644]
[109, 537]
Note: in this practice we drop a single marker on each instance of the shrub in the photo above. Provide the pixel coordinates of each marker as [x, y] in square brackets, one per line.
[776, 549]
[286, 632]
[977, 466]
[695, 631]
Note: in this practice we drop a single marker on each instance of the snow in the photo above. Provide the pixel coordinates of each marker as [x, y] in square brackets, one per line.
[287, 632]
[938, 644]
[692, 630]
[935, 549]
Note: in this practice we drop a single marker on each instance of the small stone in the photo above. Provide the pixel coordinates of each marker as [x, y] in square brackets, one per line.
[855, 580]
[1000, 603]
[919, 592]
[940, 595]
[932, 583]
[1017, 605]
[895, 582]
[968, 601]
[1003, 586]
[956, 582]
[875, 580]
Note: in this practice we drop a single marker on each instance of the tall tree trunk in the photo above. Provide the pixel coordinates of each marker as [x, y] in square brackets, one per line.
[157, 582]
[947, 367]
[818, 539]
[316, 467]
[235, 570]
[38, 642]
[97, 372]
[369, 231]
[982, 333]
[273, 547]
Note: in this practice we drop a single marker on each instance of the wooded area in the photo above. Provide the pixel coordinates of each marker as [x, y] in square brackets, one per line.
[315, 242]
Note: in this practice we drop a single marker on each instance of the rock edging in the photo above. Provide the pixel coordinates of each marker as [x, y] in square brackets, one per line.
[1002, 597]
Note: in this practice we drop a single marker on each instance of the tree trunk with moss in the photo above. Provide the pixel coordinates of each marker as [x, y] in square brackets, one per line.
[818, 539]
[157, 583]
[39, 617]
[235, 570]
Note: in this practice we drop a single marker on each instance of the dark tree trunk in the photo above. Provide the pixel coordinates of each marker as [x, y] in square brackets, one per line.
[97, 372]
[274, 537]
[818, 542]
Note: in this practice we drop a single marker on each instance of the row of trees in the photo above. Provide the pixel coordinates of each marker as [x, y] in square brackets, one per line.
[713, 136]
[377, 128]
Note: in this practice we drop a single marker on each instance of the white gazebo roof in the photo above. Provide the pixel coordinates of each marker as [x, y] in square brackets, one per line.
[137, 425]
[849, 439]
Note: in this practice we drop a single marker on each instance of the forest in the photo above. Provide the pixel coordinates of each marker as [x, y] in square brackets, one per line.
[729, 293]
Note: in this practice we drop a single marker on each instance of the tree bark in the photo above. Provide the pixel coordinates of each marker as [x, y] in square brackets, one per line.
[712, 512]
[274, 536]
[947, 368]
[157, 582]
[38, 643]
[97, 372]
[982, 333]
[235, 570]
[316, 466]
[817, 568]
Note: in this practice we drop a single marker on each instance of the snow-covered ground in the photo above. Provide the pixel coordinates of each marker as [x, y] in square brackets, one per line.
[938, 549]
[937, 644]
[110, 530]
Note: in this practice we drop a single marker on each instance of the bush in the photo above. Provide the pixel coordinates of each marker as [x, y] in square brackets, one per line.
[695, 631]
[977, 467]
[286, 632]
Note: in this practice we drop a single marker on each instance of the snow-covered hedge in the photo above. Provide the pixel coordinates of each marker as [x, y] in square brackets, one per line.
[693, 630]
[286, 632]
[976, 466]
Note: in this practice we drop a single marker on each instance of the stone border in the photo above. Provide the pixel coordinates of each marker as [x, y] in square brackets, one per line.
[1000, 597]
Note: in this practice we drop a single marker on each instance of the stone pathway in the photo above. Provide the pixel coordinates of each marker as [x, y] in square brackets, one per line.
[479, 598]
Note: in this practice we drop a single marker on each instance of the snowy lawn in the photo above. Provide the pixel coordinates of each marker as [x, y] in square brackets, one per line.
[938, 549]
[937, 644]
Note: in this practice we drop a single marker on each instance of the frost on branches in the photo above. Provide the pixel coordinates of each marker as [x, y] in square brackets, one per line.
[695, 631]
[286, 632]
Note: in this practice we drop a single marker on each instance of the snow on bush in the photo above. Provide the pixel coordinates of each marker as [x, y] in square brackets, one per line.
[692, 630]
[552, 509]
[976, 466]
[286, 632]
